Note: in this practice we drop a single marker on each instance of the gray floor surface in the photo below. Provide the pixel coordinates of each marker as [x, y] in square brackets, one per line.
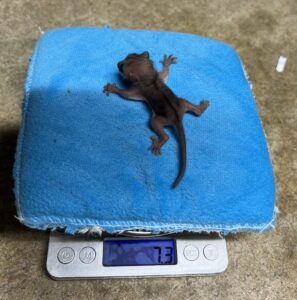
[261, 266]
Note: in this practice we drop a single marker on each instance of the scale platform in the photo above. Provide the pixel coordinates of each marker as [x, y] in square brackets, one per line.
[134, 255]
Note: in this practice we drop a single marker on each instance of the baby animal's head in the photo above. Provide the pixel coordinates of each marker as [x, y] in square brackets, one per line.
[137, 68]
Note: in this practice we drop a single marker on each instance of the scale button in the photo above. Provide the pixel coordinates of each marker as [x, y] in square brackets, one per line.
[191, 252]
[210, 252]
[87, 255]
[66, 255]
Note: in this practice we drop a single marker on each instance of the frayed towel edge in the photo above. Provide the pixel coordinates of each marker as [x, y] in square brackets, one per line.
[87, 226]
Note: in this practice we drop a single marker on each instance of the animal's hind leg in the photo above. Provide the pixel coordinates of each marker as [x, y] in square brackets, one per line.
[198, 109]
[157, 124]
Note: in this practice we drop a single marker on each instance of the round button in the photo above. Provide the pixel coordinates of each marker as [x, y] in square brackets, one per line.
[66, 255]
[210, 252]
[87, 255]
[191, 252]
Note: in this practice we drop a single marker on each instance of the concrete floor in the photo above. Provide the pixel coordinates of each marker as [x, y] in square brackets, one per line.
[261, 266]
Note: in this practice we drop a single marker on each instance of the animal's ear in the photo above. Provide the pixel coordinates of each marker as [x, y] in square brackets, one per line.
[145, 54]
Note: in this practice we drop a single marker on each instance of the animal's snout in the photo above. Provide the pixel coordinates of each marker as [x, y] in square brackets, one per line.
[120, 66]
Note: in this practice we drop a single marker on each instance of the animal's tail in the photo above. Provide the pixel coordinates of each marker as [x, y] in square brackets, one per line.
[183, 159]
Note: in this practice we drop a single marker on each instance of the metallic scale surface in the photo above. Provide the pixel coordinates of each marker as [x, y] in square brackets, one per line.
[75, 257]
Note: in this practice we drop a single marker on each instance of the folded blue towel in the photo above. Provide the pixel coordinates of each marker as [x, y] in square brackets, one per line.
[82, 158]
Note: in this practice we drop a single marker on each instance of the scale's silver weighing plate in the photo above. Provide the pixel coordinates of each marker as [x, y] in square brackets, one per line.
[78, 257]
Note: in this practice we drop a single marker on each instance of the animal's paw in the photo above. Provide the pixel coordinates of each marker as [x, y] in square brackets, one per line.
[168, 60]
[201, 107]
[204, 103]
[109, 88]
[155, 148]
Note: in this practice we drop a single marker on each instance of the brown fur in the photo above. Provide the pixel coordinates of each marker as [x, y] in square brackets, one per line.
[167, 109]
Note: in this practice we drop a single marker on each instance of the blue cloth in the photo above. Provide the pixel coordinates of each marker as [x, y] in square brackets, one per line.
[82, 158]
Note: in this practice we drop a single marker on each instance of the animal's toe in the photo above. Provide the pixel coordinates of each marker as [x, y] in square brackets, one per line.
[205, 102]
[155, 150]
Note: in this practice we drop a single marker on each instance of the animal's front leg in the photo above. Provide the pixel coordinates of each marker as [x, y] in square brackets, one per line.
[166, 62]
[131, 93]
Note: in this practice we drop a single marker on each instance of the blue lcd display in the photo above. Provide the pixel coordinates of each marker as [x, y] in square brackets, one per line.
[140, 252]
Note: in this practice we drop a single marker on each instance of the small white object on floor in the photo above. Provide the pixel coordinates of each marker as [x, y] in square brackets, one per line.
[280, 67]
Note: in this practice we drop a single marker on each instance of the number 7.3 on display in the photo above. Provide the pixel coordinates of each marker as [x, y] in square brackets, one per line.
[126, 252]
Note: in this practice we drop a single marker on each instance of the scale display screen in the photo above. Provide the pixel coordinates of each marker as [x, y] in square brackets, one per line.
[125, 252]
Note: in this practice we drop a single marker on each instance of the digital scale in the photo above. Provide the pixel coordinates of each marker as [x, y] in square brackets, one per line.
[135, 255]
